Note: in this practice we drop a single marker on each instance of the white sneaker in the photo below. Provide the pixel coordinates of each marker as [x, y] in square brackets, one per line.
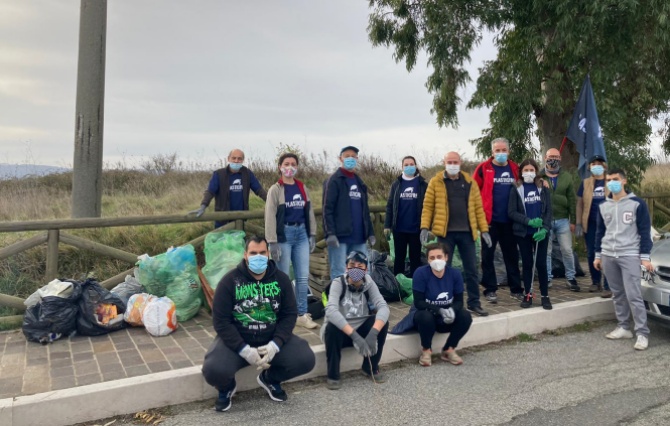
[620, 333]
[642, 343]
[306, 321]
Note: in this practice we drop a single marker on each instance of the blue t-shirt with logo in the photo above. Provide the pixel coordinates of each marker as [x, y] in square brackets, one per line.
[502, 183]
[356, 199]
[294, 203]
[408, 219]
[235, 188]
[598, 198]
[438, 291]
[533, 203]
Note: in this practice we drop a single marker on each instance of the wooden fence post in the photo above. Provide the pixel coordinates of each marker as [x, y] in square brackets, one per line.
[52, 254]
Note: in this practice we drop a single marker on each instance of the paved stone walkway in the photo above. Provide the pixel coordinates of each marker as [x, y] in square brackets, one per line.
[28, 368]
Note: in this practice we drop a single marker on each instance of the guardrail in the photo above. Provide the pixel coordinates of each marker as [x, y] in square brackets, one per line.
[54, 236]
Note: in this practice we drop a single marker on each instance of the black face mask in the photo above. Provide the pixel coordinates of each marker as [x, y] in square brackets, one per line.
[553, 164]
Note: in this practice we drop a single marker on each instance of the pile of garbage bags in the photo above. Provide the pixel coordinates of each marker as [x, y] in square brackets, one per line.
[63, 308]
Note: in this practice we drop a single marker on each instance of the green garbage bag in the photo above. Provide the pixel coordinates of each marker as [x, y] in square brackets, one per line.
[405, 289]
[173, 274]
[223, 251]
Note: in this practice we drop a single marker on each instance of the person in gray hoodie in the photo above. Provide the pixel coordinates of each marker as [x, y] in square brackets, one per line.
[356, 315]
[623, 246]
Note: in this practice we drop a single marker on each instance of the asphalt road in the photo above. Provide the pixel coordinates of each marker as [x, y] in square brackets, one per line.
[577, 378]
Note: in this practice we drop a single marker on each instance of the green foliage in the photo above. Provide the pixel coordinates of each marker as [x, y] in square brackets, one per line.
[545, 49]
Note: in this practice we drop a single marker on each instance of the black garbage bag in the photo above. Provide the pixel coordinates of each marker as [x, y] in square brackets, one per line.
[557, 267]
[382, 275]
[100, 311]
[53, 317]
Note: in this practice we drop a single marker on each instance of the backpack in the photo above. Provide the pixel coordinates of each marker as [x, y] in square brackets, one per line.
[326, 292]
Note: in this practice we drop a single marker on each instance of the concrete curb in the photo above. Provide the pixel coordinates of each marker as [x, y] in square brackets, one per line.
[101, 400]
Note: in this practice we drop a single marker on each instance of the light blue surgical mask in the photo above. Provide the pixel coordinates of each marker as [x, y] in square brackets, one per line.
[258, 263]
[501, 157]
[614, 186]
[235, 166]
[409, 170]
[349, 163]
[597, 170]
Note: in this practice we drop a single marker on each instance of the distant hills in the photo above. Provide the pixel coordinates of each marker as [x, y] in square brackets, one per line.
[17, 171]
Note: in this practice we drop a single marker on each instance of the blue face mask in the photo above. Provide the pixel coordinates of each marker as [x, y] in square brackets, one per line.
[614, 186]
[349, 163]
[501, 157]
[597, 170]
[409, 170]
[258, 263]
[235, 166]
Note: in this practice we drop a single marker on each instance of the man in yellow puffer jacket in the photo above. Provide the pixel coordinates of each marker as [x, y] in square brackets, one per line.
[452, 211]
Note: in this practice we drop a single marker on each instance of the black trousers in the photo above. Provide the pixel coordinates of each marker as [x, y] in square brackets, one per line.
[501, 233]
[400, 242]
[427, 323]
[335, 340]
[527, 251]
[468, 253]
[294, 359]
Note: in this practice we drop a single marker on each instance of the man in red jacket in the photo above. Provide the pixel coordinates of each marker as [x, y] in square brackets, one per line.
[496, 177]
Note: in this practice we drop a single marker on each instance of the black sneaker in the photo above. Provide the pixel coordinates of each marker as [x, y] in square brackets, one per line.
[572, 285]
[491, 297]
[527, 301]
[223, 403]
[274, 390]
[478, 310]
[517, 296]
[546, 303]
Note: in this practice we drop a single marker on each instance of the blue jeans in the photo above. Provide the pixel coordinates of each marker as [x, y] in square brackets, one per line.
[296, 250]
[337, 257]
[560, 229]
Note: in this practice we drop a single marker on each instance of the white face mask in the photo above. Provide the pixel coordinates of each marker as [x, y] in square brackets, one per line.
[528, 177]
[453, 169]
[438, 264]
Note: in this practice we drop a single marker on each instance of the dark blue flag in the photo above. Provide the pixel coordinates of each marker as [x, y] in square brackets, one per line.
[584, 129]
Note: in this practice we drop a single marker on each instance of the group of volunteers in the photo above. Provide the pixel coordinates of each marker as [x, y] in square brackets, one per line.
[519, 206]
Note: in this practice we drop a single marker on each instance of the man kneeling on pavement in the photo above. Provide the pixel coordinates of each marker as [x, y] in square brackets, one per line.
[254, 312]
[438, 306]
[349, 320]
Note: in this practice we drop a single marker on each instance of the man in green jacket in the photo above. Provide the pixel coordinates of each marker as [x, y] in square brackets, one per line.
[563, 203]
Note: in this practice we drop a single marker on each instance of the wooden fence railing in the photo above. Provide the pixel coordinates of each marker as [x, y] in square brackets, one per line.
[54, 236]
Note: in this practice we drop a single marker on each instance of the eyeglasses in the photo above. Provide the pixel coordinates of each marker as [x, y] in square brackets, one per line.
[357, 256]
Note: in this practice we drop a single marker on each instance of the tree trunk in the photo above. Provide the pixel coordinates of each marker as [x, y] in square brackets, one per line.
[89, 110]
[552, 127]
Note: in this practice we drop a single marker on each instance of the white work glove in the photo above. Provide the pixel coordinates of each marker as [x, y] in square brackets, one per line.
[312, 244]
[424, 236]
[251, 355]
[372, 240]
[486, 237]
[332, 241]
[387, 233]
[268, 352]
[360, 344]
[275, 251]
[199, 211]
[448, 315]
[579, 230]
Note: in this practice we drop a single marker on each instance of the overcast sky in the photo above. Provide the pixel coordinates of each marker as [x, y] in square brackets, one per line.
[202, 77]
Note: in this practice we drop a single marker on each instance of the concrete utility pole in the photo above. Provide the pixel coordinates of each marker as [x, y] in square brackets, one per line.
[90, 108]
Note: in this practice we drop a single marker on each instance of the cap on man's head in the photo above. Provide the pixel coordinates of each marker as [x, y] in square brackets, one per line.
[347, 148]
[357, 256]
[597, 158]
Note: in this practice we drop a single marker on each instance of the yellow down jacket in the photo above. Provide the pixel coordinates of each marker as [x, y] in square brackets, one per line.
[435, 214]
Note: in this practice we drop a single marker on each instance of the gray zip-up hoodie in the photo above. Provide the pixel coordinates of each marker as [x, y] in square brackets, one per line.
[353, 308]
[624, 228]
